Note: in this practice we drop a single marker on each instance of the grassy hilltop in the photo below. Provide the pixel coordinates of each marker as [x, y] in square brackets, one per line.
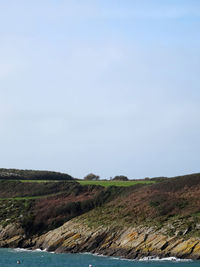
[173, 203]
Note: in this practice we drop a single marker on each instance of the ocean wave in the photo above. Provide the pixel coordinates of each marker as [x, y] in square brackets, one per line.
[20, 250]
[148, 258]
[151, 258]
[86, 253]
[39, 250]
[28, 250]
[100, 255]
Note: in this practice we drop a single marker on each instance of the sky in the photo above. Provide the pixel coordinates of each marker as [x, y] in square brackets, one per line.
[104, 86]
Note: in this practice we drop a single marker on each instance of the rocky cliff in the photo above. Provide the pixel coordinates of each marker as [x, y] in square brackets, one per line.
[126, 242]
[133, 242]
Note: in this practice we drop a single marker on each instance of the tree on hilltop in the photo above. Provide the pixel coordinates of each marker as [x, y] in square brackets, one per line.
[120, 178]
[91, 177]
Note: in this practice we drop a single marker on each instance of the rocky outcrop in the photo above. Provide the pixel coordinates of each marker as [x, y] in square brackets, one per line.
[11, 236]
[130, 242]
[75, 236]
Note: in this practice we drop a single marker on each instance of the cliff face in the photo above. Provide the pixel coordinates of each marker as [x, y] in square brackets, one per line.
[130, 242]
[135, 242]
[11, 235]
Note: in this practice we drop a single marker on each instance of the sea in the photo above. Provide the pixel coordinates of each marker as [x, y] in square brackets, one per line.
[37, 258]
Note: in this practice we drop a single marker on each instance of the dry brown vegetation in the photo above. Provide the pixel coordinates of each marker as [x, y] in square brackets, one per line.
[51, 212]
[175, 196]
[173, 204]
[152, 204]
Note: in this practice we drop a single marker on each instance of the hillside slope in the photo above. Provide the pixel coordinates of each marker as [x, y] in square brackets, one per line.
[156, 219]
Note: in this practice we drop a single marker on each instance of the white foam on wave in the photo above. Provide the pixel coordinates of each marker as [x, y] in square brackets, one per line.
[86, 253]
[21, 250]
[121, 259]
[100, 255]
[28, 250]
[38, 250]
[150, 258]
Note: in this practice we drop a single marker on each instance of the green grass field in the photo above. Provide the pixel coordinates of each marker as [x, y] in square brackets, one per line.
[114, 183]
[100, 182]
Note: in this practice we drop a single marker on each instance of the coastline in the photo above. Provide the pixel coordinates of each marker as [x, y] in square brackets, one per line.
[128, 243]
[160, 220]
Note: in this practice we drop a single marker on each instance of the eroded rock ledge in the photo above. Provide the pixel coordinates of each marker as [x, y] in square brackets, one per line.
[129, 242]
[75, 237]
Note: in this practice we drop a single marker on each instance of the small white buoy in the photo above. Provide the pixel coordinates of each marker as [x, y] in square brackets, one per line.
[90, 265]
[18, 262]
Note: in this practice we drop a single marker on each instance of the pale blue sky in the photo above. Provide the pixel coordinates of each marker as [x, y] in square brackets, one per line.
[108, 86]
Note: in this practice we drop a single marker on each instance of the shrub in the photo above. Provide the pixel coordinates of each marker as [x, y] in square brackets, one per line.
[91, 177]
[120, 178]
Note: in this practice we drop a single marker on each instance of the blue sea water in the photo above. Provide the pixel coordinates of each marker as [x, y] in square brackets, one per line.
[9, 257]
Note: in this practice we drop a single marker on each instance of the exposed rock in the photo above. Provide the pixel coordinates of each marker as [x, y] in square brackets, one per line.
[11, 236]
[130, 243]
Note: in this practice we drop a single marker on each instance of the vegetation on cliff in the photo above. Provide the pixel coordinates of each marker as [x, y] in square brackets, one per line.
[172, 204]
[39, 207]
[117, 183]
